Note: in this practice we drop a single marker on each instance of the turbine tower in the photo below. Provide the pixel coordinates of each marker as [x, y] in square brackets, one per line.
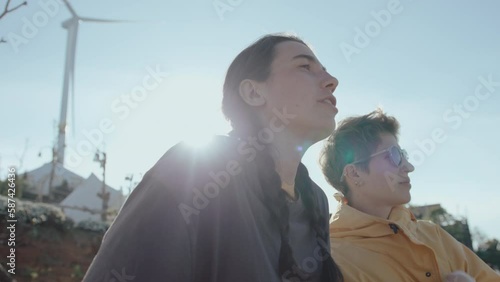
[71, 25]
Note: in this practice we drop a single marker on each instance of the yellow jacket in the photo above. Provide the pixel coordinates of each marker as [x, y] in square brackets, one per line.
[401, 248]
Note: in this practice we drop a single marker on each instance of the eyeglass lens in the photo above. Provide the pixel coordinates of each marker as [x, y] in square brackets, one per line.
[396, 155]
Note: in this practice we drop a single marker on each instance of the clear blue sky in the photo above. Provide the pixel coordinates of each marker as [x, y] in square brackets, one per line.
[423, 65]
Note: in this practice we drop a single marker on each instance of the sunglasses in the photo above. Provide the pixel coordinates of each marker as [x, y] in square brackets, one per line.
[396, 155]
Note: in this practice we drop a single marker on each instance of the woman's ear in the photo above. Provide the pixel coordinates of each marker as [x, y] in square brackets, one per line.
[250, 94]
[353, 176]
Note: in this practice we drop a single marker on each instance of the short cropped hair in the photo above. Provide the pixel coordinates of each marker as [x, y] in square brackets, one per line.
[355, 138]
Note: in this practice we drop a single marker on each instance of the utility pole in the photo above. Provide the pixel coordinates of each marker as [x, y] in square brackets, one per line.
[39, 197]
[52, 172]
[100, 157]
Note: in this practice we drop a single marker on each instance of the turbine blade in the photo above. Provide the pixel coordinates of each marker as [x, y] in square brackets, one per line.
[71, 10]
[73, 127]
[72, 78]
[85, 19]
[104, 20]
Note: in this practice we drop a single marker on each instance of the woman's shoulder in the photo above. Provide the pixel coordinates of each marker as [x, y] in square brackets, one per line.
[185, 157]
[190, 176]
[216, 144]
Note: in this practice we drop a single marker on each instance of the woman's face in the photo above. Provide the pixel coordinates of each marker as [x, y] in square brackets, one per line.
[300, 87]
[387, 184]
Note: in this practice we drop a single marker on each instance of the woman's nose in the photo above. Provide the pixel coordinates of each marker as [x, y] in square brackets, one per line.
[407, 166]
[330, 82]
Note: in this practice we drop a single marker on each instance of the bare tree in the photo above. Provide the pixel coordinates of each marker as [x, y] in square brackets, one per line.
[8, 9]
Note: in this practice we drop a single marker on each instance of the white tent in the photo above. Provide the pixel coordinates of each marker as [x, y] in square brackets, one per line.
[85, 197]
[38, 180]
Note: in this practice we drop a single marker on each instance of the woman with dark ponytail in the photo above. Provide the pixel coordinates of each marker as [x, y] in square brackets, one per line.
[243, 208]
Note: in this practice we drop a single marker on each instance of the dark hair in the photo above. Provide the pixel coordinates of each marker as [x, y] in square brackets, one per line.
[355, 138]
[255, 63]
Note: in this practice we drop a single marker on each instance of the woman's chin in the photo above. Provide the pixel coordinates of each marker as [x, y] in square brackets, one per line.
[407, 198]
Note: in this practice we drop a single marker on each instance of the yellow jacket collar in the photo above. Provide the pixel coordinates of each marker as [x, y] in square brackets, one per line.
[349, 222]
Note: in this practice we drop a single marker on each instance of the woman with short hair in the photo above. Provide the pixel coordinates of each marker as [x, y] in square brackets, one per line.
[374, 237]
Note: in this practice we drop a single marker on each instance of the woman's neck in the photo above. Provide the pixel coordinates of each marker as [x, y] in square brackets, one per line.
[287, 153]
[369, 207]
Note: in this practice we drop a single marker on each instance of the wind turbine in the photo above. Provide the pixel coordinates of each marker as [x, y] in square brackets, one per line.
[71, 25]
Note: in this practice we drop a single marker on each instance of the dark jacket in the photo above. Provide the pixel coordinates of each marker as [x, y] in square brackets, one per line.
[196, 216]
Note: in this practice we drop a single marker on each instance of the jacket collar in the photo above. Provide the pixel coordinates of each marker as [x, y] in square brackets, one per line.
[349, 222]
